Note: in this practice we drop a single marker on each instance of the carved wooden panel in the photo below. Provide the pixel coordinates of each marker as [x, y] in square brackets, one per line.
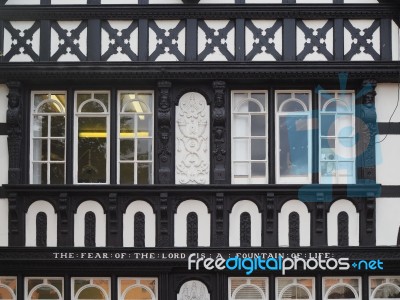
[343, 229]
[192, 227]
[41, 229]
[192, 143]
[245, 230]
[139, 235]
[193, 290]
[294, 229]
[90, 229]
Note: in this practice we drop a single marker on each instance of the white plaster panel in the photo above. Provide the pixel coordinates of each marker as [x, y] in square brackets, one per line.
[56, 41]
[3, 222]
[9, 41]
[79, 223]
[105, 40]
[150, 223]
[354, 221]
[68, 2]
[277, 40]
[302, 40]
[387, 95]
[283, 223]
[192, 140]
[3, 160]
[388, 162]
[23, 2]
[3, 103]
[234, 223]
[30, 223]
[387, 221]
[395, 41]
[348, 40]
[180, 223]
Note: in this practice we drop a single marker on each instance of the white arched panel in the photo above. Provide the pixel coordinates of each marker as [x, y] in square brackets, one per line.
[193, 290]
[30, 223]
[79, 223]
[354, 221]
[150, 223]
[234, 223]
[180, 223]
[305, 223]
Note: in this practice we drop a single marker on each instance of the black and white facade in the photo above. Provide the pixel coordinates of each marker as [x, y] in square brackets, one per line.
[134, 133]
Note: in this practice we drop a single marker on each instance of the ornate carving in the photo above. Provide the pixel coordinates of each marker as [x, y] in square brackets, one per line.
[270, 212]
[41, 229]
[14, 131]
[112, 213]
[368, 131]
[319, 220]
[245, 230]
[90, 229]
[343, 229]
[193, 290]
[63, 220]
[370, 214]
[192, 230]
[219, 216]
[13, 220]
[164, 132]
[294, 229]
[164, 232]
[139, 235]
[219, 131]
[192, 140]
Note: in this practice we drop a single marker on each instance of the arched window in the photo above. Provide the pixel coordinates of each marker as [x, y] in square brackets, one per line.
[343, 229]
[295, 288]
[41, 229]
[341, 288]
[44, 288]
[384, 287]
[91, 288]
[193, 290]
[248, 288]
[192, 225]
[137, 288]
[294, 229]
[90, 229]
[245, 229]
[8, 288]
[139, 236]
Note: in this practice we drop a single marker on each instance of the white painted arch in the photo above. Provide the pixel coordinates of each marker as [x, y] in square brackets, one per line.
[129, 223]
[234, 223]
[79, 223]
[180, 224]
[30, 223]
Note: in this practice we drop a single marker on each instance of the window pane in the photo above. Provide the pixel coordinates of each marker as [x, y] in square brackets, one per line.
[138, 293]
[57, 126]
[127, 173]
[40, 150]
[345, 148]
[328, 125]
[258, 125]
[127, 149]
[127, 126]
[45, 292]
[145, 125]
[328, 169]
[40, 126]
[91, 293]
[241, 125]
[238, 98]
[241, 169]
[144, 173]
[345, 169]
[258, 149]
[57, 150]
[345, 125]
[144, 149]
[258, 169]
[241, 147]
[39, 173]
[328, 151]
[5, 294]
[57, 174]
[341, 292]
[82, 98]
[93, 107]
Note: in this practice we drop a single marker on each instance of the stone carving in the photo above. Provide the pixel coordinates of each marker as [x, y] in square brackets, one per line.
[139, 223]
[294, 229]
[343, 229]
[192, 230]
[245, 230]
[219, 213]
[193, 290]
[41, 229]
[14, 131]
[192, 140]
[163, 237]
[90, 229]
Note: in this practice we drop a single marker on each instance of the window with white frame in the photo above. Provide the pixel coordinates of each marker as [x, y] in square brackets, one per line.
[137, 288]
[92, 129]
[91, 288]
[135, 137]
[8, 288]
[249, 137]
[44, 288]
[295, 288]
[48, 137]
[337, 137]
[384, 287]
[341, 288]
[253, 288]
[293, 136]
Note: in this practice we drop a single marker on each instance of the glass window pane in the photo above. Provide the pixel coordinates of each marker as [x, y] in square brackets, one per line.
[258, 125]
[387, 292]
[325, 97]
[304, 98]
[144, 174]
[258, 169]
[40, 126]
[127, 126]
[57, 150]
[292, 106]
[103, 97]
[345, 169]
[261, 97]
[40, 151]
[45, 292]
[341, 292]
[138, 293]
[126, 173]
[241, 147]
[82, 98]
[328, 169]
[282, 97]
[144, 149]
[58, 284]
[39, 173]
[127, 149]
[347, 99]
[345, 148]
[91, 293]
[241, 125]
[93, 107]
[328, 151]
[258, 149]
[241, 169]
[57, 174]
[328, 125]
[238, 98]
[145, 125]
[5, 294]
[345, 125]
[296, 292]
[57, 126]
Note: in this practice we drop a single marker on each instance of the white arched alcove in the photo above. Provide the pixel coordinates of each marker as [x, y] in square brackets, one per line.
[193, 290]
[283, 223]
[180, 223]
[129, 223]
[79, 223]
[234, 223]
[192, 142]
[30, 223]
[354, 221]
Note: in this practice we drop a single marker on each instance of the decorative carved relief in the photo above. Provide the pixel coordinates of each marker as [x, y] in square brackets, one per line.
[164, 232]
[320, 213]
[164, 132]
[219, 216]
[139, 235]
[370, 214]
[112, 213]
[245, 230]
[192, 140]
[193, 290]
[63, 219]
[343, 229]
[270, 212]
[219, 132]
[13, 219]
[14, 131]
[192, 230]
[90, 229]
[41, 229]
[294, 229]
